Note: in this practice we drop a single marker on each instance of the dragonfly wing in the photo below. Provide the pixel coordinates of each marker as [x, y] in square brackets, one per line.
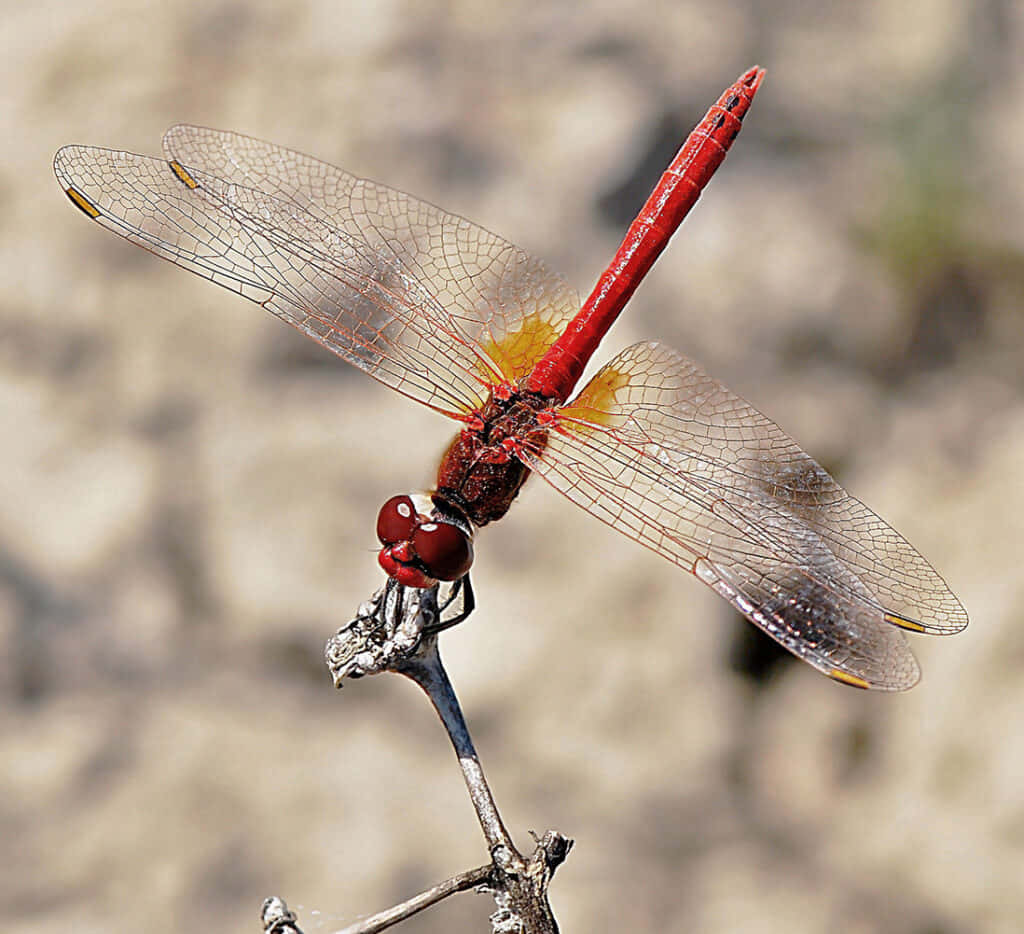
[424, 301]
[508, 304]
[666, 454]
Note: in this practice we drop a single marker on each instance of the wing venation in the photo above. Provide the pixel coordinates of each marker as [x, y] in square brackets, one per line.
[425, 301]
[663, 452]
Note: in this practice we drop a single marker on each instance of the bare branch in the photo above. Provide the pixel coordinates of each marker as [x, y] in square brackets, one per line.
[425, 668]
[385, 919]
[277, 917]
[396, 630]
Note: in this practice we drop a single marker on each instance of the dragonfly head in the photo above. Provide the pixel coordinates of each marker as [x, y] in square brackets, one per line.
[423, 541]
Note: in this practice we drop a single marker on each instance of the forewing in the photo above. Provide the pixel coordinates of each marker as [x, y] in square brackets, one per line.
[509, 305]
[669, 456]
[424, 301]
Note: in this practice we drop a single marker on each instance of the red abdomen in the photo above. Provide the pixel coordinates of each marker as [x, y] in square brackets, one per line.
[558, 371]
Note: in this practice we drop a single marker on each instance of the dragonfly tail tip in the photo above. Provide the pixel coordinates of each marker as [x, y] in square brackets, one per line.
[751, 79]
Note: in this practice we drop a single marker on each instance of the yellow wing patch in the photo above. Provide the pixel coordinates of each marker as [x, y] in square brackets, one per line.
[515, 354]
[849, 679]
[597, 402]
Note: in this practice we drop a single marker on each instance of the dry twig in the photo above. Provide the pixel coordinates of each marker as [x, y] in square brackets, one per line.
[396, 630]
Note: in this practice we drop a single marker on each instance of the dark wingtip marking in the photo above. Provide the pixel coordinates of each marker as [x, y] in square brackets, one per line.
[903, 623]
[81, 202]
[852, 680]
[179, 170]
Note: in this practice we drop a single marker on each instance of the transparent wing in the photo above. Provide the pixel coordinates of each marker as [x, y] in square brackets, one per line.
[661, 451]
[422, 300]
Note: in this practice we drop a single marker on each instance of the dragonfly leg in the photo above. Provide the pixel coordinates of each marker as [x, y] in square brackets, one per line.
[464, 587]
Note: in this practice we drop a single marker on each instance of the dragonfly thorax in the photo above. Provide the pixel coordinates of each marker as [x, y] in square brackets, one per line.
[483, 469]
[424, 540]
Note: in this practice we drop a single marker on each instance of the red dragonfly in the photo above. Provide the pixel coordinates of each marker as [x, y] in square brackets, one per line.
[475, 328]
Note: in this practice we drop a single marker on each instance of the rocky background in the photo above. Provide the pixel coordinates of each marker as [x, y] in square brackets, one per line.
[188, 488]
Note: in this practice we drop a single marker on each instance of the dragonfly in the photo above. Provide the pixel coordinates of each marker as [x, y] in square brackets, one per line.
[466, 323]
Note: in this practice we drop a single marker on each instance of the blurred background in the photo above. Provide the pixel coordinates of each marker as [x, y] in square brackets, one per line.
[188, 488]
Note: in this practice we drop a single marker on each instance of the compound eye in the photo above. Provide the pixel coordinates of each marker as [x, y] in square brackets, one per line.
[396, 520]
[444, 549]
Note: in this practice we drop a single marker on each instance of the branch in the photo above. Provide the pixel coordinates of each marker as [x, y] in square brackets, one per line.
[396, 630]
[277, 917]
[520, 885]
[425, 668]
[384, 919]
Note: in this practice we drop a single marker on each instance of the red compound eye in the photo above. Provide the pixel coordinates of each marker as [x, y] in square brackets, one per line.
[396, 520]
[444, 549]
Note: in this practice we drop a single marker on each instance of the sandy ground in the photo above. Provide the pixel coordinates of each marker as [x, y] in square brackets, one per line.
[188, 488]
